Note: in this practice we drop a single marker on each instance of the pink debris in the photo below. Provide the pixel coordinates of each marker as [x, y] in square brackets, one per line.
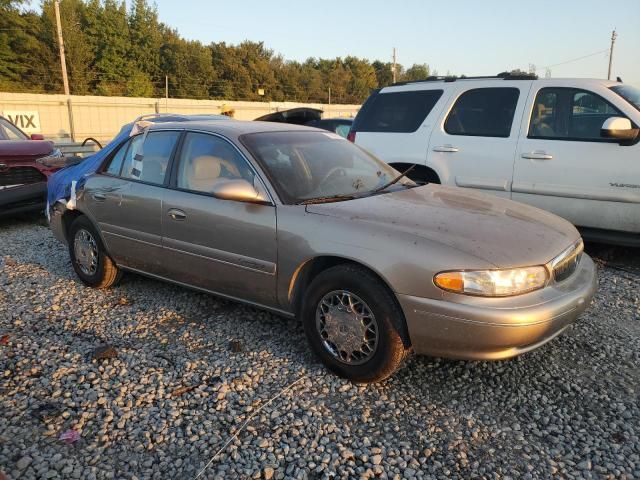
[70, 436]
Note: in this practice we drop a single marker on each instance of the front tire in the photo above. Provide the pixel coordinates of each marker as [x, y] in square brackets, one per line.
[354, 324]
[89, 257]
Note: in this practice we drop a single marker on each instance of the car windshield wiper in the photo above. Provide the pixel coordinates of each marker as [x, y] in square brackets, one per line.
[394, 181]
[330, 198]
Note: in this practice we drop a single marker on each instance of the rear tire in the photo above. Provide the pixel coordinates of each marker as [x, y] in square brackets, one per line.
[89, 258]
[354, 324]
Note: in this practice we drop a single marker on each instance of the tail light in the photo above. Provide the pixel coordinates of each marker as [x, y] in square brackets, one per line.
[352, 136]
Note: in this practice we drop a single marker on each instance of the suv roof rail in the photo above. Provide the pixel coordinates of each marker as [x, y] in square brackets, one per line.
[502, 75]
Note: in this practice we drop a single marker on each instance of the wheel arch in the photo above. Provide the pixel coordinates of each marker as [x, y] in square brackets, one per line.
[311, 268]
[420, 172]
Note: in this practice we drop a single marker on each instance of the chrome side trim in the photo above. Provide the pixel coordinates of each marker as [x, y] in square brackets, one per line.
[483, 183]
[211, 292]
[571, 191]
[220, 256]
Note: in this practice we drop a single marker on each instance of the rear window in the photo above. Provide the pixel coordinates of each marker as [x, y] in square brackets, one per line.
[397, 112]
[483, 112]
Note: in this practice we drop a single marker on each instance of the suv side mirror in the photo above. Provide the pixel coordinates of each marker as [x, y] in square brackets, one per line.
[238, 190]
[618, 128]
[37, 136]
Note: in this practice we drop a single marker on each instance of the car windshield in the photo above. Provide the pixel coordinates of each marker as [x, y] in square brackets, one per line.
[629, 93]
[306, 166]
[9, 131]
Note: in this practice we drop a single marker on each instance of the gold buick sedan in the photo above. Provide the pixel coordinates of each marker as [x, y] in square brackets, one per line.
[301, 222]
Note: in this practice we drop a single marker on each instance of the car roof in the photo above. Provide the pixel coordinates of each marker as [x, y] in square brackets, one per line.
[496, 81]
[231, 128]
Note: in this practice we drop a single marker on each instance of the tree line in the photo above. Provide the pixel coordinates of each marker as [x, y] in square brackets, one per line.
[115, 51]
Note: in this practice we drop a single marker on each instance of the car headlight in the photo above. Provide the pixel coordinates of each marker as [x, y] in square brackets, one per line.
[493, 283]
[56, 153]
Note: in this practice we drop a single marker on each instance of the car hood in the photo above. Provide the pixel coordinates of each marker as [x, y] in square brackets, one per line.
[25, 148]
[499, 231]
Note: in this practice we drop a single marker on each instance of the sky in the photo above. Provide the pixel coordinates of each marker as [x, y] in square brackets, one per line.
[481, 37]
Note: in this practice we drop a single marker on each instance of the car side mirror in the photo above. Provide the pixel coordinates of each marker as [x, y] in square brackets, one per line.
[37, 136]
[618, 128]
[239, 190]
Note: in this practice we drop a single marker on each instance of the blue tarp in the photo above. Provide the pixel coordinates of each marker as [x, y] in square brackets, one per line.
[59, 184]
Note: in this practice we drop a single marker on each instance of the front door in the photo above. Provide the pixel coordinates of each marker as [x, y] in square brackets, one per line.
[125, 199]
[564, 165]
[474, 142]
[223, 246]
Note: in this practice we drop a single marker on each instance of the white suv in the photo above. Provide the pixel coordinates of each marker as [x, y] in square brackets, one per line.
[570, 146]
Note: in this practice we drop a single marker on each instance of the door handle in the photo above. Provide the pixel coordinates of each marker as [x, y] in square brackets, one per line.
[177, 214]
[99, 197]
[446, 148]
[537, 155]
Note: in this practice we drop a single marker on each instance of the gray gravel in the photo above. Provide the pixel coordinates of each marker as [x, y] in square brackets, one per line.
[179, 389]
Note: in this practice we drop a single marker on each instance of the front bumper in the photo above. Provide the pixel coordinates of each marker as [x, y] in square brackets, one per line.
[477, 328]
[23, 198]
[55, 222]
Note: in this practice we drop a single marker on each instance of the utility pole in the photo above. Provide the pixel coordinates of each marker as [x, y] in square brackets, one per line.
[614, 35]
[393, 68]
[63, 62]
[329, 95]
[63, 65]
[166, 93]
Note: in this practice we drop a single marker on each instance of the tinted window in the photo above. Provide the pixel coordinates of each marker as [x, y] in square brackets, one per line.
[400, 112]
[147, 158]
[569, 114]
[483, 112]
[629, 93]
[206, 159]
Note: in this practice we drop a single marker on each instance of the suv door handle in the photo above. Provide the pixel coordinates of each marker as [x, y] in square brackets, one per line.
[446, 148]
[99, 197]
[177, 214]
[538, 155]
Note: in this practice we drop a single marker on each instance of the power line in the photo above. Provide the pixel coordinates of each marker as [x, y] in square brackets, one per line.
[578, 58]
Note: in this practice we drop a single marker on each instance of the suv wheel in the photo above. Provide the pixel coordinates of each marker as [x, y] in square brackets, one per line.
[353, 324]
[89, 257]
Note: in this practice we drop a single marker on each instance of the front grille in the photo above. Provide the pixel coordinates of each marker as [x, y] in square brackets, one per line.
[21, 176]
[567, 262]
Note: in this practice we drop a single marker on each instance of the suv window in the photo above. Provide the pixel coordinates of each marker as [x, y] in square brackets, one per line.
[569, 114]
[398, 112]
[483, 112]
[146, 159]
[207, 159]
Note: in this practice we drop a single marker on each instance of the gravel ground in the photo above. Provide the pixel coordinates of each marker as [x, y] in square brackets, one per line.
[192, 369]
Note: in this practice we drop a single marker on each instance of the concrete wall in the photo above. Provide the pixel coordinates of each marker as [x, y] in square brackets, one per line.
[102, 117]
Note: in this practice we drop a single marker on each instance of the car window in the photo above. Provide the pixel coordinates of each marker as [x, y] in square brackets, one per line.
[398, 112]
[148, 156]
[306, 165]
[569, 114]
[207, 159]
[10, 132]
[115, 164]
[343, 130]
[483, 112]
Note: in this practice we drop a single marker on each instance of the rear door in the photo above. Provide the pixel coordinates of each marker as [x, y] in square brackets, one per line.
[125, 200]
[474, 141]
[395, 123]
[223, 246]
[564, 165]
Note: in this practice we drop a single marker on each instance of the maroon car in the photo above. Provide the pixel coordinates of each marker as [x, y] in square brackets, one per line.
[23, 179]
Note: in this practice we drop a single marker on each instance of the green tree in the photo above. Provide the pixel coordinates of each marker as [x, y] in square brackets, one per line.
[416, 72]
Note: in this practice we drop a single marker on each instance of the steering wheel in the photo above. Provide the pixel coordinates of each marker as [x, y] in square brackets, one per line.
[335, 171]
